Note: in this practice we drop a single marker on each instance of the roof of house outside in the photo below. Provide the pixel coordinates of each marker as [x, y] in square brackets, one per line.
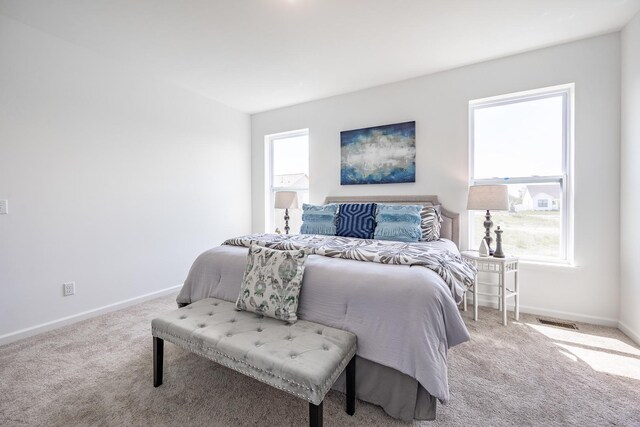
[291, 180]
[552, 190]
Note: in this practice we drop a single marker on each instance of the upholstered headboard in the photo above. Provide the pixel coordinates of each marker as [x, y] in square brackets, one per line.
[450, 220]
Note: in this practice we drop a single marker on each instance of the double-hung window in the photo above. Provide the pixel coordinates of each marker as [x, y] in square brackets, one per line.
[524, 141]
[287, 165]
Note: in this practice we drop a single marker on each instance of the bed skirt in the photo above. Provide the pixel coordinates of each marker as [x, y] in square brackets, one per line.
[400, 396]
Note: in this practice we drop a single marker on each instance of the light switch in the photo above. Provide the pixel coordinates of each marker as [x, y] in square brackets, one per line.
[4, 206]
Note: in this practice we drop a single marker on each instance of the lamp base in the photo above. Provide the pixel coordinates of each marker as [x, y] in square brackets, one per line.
[487, 231]
[286, 221]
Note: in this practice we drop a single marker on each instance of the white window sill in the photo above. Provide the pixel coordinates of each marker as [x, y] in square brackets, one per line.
[535, 264]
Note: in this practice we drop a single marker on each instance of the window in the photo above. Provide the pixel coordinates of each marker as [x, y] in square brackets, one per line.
[524, 140]
[287, 156]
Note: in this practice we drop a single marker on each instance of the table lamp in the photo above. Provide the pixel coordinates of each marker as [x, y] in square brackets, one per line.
[488, 197]
[286, 200]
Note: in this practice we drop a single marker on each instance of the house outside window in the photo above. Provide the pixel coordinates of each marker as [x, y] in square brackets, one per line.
[523, 140]
[287, 166]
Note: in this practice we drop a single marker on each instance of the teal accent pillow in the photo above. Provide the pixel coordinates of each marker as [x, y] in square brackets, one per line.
[319, 219]
[400, 223]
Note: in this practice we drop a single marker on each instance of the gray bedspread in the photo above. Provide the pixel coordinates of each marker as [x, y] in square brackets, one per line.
[405, 317]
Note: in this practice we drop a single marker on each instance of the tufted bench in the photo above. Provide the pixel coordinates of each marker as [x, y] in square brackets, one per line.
[303, 358]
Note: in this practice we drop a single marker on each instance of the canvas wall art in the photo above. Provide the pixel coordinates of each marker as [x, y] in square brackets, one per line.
[379, 155]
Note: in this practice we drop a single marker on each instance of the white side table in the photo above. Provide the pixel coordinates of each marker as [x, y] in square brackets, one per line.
[503, 267]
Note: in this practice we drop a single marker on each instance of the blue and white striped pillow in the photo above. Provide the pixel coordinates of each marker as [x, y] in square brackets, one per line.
[398, 222]
[356, 220]
[319, 219]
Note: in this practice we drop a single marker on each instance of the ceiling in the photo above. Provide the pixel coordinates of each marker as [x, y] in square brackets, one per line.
[257, 55]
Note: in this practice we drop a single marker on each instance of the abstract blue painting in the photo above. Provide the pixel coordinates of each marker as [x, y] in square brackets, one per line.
[379, 155]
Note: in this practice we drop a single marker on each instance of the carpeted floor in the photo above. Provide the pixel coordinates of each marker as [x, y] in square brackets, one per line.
[98, 372]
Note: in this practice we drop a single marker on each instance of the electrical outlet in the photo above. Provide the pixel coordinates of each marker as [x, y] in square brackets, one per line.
[69, 288]
[4, 207]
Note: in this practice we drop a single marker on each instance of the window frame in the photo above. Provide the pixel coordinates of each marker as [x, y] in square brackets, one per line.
[270, 190]
[565, 180]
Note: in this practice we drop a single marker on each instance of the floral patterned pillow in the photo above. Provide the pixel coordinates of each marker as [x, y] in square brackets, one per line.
[272, 282]
[430, 223]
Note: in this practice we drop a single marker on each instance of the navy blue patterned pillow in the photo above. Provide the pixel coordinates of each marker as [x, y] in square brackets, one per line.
[356, 220]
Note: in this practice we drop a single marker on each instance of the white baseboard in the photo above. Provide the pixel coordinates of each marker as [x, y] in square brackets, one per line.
[563, 315]
[629, 332]
[58, 323]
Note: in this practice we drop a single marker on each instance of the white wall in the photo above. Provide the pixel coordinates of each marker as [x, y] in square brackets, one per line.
[439, 103]
[629, 182]
[115, 180]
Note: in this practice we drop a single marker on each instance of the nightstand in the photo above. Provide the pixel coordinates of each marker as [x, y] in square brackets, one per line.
[503, 268]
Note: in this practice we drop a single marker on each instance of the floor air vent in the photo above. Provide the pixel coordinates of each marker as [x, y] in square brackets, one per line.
[559, 324]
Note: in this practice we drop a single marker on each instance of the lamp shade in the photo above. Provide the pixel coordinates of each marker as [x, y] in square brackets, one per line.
[488, 197]
[286, 200]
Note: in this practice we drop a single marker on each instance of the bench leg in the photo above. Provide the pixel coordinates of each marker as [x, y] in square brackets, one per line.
[315, 415]
[351, 386]
[158, 355]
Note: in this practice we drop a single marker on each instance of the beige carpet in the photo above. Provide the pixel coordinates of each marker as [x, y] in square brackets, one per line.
[98, 372]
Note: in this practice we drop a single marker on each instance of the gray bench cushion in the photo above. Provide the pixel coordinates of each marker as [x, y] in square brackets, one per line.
[303, 358]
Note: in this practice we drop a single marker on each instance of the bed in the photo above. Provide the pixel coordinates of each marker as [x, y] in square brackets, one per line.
[406, 316]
